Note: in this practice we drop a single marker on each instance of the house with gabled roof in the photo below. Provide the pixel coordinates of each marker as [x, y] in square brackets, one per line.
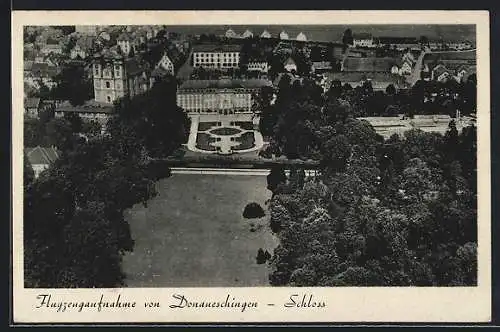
[290, 65]
[231, 34]
[440, 73]
[362, 40]
[301, 37]
[247, 34]
[83, 47]
[265, 34]
[32, 106]
[284, 35]
[40, 158]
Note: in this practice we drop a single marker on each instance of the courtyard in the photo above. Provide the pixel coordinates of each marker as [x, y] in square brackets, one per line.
[223, 134]
[193, 234]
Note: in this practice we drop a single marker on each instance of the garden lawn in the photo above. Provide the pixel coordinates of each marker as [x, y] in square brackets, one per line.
[193, 234]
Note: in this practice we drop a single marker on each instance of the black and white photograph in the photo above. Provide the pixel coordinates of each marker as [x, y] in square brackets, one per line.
[250, 155]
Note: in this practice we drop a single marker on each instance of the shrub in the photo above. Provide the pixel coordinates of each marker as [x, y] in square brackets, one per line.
[253, 210]
[261, 256]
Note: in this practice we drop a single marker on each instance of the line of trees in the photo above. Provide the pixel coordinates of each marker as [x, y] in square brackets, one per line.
[75, 233]
[395, 212]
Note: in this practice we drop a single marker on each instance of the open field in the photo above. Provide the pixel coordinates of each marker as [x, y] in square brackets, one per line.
[193, 234]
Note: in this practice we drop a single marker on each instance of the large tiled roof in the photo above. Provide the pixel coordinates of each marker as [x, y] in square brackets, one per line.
[40, 155]
[216, 48]
[369, 64]
[224, 84]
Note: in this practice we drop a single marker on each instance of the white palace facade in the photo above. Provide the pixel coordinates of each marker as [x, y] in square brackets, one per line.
[219, 96]
[216, 56]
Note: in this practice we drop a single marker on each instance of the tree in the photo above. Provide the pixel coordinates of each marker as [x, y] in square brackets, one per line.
[75, 121]
[253, 210]
[423, 40]
[91, 128]
[69, 44]
[152, 119]
[418, 181]
[34, 133]
[390, 90]
[28, 173]
[73, 85]
[347, 38]
[59, 134]
[275, 177]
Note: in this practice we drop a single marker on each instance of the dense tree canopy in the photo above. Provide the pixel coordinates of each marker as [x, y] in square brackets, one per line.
[73, 85]
[394, 212]
[75, 232]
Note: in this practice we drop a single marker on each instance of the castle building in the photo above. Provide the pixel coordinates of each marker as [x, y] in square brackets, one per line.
[116, 76]
[216, 57]
[219, 96]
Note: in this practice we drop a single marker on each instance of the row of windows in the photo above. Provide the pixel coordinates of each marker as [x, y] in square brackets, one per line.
[213, 55]
[204, 111]
[107, 85]
[214, 98]
[217, 60]
[216, 65]
[191, 104]
[97, 67]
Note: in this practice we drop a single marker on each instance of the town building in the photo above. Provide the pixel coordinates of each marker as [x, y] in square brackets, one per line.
[83, 47]
[32, 107]
[40, 158]
[166, 64]
[321, 66]
[224, 96]
[231, 34]
[90, 111]
[124, 41]
[399, 43]
[247, 34]
[265, 34]
[301, 37]
[115, 76]
[379, 80]
[216, 56]
[258, 65]
[440, 74]
[284, 35]
[37, 74]
[443, 66]
[51, 49]
[290, 65]
[362, 40]
[433, 123]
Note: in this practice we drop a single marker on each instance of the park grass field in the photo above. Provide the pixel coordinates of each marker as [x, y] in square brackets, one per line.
[193, 234]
